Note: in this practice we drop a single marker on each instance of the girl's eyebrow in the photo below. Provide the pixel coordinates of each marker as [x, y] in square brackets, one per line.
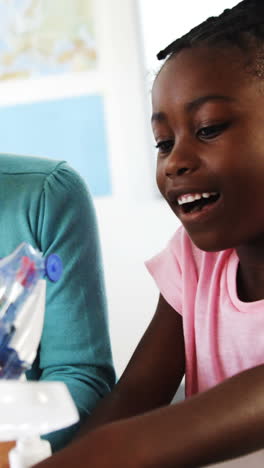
[198, 102]
[158, 117]
[194, 105]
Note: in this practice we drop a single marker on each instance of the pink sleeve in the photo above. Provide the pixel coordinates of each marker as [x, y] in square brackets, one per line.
[166, 272]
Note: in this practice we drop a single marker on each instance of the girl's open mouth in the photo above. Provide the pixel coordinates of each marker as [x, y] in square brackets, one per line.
[199, 210]
[199, 204]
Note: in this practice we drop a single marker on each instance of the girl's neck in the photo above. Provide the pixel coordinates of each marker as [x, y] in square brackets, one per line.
[250, 275]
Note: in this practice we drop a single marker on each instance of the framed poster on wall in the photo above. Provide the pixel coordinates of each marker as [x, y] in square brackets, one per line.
[51, 99]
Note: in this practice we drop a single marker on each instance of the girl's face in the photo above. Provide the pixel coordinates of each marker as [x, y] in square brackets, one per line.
[208, 122]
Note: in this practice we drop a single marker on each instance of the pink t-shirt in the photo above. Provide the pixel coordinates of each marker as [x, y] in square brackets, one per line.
[223, 335]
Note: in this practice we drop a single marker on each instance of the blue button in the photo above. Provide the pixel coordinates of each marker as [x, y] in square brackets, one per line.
[53, 266]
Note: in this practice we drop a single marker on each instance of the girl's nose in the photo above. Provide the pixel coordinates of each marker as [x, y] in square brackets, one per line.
[182, 160]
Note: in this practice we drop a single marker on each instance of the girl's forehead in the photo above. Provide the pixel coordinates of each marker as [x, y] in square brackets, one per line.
[201, 70]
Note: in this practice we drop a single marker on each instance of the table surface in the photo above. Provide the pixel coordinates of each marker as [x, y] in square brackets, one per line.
[5, 447]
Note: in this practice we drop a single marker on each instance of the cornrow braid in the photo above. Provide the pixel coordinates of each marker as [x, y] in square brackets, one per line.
[236, 26]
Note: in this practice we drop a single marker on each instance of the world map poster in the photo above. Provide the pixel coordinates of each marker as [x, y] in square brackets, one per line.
[43, 37]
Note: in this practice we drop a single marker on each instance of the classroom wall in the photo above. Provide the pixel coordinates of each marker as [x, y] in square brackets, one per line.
[130, 234]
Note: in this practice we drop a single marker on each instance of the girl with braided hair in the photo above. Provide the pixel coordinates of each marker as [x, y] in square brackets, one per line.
[208, 122]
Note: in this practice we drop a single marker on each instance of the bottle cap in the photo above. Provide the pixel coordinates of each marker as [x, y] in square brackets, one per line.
[53, 266]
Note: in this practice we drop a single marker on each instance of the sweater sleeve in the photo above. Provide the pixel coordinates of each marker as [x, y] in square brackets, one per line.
[75, 345]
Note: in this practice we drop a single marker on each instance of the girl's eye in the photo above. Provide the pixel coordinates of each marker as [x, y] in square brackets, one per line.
[212, 131]
[165, 146]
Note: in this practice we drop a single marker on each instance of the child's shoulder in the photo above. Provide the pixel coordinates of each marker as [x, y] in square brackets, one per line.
[16, 164]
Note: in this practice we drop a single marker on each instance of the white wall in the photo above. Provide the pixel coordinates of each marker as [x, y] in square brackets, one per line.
[120, 64]
[130, 234]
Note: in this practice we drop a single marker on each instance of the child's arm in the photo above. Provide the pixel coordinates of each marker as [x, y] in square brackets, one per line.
[153, 374]
[224, 422]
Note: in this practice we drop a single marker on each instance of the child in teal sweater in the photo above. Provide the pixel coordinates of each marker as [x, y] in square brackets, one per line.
[45, 203]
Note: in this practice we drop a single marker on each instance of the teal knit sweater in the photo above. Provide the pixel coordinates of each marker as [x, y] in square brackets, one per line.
[45, 203]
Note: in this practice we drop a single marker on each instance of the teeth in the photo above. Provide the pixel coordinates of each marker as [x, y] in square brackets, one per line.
[189, 198]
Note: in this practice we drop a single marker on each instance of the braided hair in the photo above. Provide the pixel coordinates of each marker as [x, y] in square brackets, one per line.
[241, 26]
